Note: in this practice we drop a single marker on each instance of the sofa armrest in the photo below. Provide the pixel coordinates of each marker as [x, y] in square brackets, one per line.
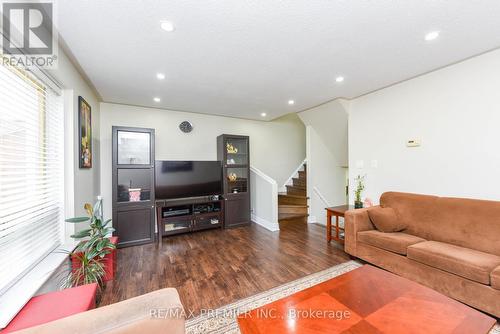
[355, 221]
[156, 312]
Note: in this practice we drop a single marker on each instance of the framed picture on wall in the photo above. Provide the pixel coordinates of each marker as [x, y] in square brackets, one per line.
[85, 133]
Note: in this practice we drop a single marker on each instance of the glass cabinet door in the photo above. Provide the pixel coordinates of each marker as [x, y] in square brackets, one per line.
[134, 148]
[237, 180]
[134, 185]
[236, 151]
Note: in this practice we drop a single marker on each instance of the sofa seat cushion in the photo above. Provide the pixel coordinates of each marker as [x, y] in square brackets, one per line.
[495, 278]
[396, 242]
[464, 262]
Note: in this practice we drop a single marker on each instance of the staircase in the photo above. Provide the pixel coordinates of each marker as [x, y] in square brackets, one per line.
[293, 203]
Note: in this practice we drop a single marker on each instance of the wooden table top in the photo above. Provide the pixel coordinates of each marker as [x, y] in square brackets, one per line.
[341, 209]
[366, 300]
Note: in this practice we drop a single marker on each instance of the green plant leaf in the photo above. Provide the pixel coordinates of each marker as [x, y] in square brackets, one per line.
[107, 231]
[77, 220]
[81, 234]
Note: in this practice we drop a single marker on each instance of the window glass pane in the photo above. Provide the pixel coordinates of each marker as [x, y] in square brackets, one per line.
[31, 170]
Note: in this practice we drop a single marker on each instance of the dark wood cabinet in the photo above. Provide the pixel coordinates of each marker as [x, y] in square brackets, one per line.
[133, 185]
[234, 153]
[188, 215]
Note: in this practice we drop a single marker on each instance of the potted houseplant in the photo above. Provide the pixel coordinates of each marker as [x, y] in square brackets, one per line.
[94, 258]
[360, 186]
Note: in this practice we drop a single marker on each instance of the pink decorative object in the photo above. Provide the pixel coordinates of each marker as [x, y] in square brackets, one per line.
[134, 195]
[367, 203]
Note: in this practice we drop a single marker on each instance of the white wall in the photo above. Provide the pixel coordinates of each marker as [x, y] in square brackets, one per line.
[264, 199]
[326, 157]
[454, 111]
[86, 181]
[276, 147]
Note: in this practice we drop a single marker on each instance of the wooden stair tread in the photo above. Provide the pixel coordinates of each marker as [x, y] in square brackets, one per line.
[286, 216]
[292, 204]
[297, 187]
[295, 196]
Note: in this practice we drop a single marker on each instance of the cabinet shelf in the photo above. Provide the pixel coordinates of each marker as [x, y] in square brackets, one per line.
[235, 166]
[188, 219]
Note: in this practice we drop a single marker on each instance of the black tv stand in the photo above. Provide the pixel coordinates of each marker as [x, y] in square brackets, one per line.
[175, 216]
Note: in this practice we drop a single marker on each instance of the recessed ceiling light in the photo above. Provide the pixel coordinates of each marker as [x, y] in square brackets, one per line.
[167, 26]
[160, 76]
[263, 114]
[432, 36]
[291, 102]
[156, 99]
[339, 79]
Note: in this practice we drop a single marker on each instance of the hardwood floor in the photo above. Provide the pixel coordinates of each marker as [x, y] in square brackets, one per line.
[213, 268]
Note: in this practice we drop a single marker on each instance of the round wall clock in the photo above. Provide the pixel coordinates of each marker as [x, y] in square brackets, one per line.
[186, 127]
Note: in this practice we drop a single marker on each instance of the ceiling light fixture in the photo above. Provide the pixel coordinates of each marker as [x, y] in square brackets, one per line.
[160, 76]
[432, 36]
[156, 99]
[167, 26]
[339, 79]
[263, 114]
[291, 102]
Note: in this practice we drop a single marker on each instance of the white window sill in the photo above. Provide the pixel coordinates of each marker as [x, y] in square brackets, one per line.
[14, 299]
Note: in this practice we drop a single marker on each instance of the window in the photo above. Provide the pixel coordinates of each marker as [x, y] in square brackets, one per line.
[31, 173]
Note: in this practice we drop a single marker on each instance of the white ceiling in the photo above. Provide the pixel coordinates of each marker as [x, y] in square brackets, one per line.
[240, 58]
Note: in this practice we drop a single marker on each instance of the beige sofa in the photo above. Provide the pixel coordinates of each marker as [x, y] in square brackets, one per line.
[449, 244]
[153, 313]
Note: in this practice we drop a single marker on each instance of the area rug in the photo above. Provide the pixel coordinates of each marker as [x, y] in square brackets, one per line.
[223, 320]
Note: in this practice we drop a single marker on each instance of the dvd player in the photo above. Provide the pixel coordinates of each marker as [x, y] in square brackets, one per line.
[177, 212]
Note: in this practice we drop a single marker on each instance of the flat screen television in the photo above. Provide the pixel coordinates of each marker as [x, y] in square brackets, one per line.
[181, 179]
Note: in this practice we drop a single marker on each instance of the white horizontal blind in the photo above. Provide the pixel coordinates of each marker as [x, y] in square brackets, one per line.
[31, 173]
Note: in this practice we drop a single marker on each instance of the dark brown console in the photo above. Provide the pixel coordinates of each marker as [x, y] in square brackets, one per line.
[188, 215]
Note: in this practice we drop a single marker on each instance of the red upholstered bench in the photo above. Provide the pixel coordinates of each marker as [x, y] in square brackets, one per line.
[52, 306]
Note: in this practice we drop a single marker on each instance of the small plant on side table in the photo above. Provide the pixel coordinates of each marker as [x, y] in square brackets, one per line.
[360, 186]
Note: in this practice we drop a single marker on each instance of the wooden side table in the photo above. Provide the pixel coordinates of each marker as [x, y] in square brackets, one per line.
[337, 211]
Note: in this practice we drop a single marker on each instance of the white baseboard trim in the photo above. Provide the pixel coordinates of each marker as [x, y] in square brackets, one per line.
[273, 227]
[312, 220]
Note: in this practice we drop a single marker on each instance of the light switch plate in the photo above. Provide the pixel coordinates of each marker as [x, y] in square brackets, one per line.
[413, 143]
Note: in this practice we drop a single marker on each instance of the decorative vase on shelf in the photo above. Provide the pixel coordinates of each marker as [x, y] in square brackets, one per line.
[358, 205]
[231, 149]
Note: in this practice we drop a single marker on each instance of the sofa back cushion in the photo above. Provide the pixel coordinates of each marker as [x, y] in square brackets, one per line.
[463, 222]
[385, 219]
